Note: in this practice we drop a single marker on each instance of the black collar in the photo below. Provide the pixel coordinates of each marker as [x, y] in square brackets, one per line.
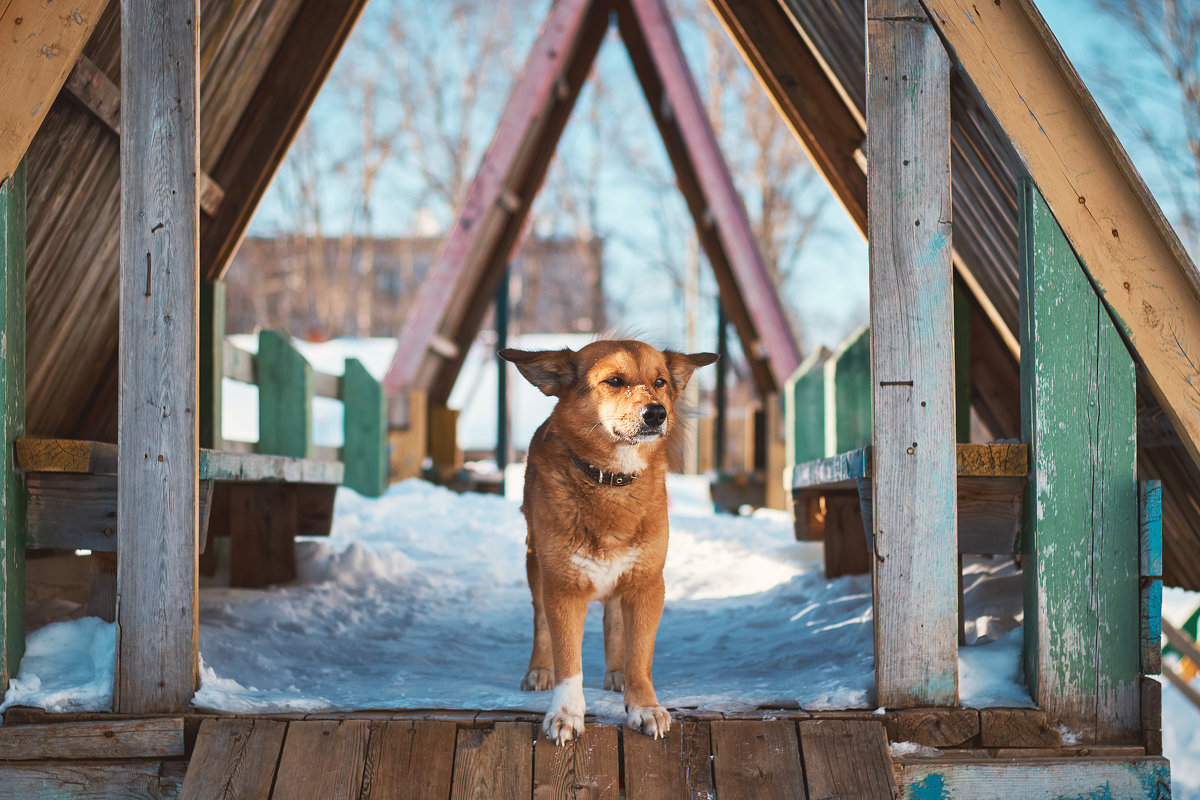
[601, 477]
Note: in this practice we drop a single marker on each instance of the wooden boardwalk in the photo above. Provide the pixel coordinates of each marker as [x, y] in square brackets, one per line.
[418, 759]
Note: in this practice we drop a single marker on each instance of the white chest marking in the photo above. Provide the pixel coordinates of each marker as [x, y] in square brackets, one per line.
[629, 459]
[605, 572]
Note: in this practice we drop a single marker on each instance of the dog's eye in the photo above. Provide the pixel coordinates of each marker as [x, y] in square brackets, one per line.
[661, 382]
[615, 381]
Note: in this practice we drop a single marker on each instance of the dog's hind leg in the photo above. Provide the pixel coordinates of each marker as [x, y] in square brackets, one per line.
[540, 675]
[614, 645]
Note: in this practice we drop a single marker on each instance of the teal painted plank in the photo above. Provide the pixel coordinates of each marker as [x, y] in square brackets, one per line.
[829, 473]
[212, 361]
[285, 392]
[1082, 631]
[1150, 539]
[1036, 779]
[848, 395]
[804, 409]
[12, 423]
[1151, 620]
[365, 426]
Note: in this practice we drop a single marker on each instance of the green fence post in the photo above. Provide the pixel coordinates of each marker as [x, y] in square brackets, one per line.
[285, 393]
[364, 453]
[848, 395]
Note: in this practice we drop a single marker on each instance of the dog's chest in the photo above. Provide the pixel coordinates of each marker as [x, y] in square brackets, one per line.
[604, 571]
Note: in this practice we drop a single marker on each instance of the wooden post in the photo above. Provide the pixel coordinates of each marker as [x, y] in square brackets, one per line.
[157, 434]
[848, 395]
[12, 423]
[912, 358]
[212, 361]
[962, 364]
[285, 393]
[365, 431]
[1080, 543]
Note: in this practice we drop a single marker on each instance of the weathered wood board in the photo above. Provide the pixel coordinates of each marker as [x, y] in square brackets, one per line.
[12, 416]
[234, 758]
[1035, 779]
[322, 758]
[495, 763]
[409, 760]
[586, 768]
[757, 760]
[846, 758]
[89, 780]
[135, 738]
[912, 358]
[1078, 400]
[158, 627]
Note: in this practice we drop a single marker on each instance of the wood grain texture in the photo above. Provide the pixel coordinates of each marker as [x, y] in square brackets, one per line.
[39, 43]
[263, 520]
[322, 758]
[848, 395]
[365, 431]
[912, 367]
[12, 418]
[697, 760]
[585, 768]
[234, 758]
[67, 455]
[285, 393]
[221, 465]
[1078, 405]
[804, 409]
[934, 727]
[136, 738]
[1017, 727]
[158, 638]
[756, 760]
[409, 760]
[88, 780]
[845, 759]
[654, 767]
[1041, 779]
[494, 763]
[1103, 205]
[845, 538]
[1152, 716]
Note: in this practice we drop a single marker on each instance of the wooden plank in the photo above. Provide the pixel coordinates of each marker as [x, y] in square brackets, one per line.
[443, 440]
[314, 508]
[839, 471]
[912, 367]
[1152, 716]
[933, 727]
[971, 461]
[407, 444]
[212, 362]
[272, 118]
[135, 738]
[1150, 597]
[12, 417]
[225, 466]
[848, 395]
[1078, 389]
[804, 409]
[322, 758]
[234, 758]
[1150, 543]
[1017, 727]
[1035, 779]
[285, 393]
[845, 540]
[240, 365]
[494, 763]
[409, 760]
[365, 431]
[697, 760]
[40, 44]
[989, 514]
[654, 767]
[757, 760]
[1110, 218]
[845, 758]
[66, 455]
[158, 628]
[585, 767]
[88, 780]
[263, 524]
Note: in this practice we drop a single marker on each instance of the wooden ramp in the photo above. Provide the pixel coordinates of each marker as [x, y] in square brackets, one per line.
[417, 759]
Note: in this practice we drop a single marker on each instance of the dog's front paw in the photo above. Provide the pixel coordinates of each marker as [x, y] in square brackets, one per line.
[614, 680]
[537, 680]
[564, 720]
[650, 720]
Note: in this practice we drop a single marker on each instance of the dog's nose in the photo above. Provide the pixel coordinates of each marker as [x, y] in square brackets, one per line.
[654, 414]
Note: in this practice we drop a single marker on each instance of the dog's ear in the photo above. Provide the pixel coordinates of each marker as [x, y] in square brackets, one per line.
[681, 365]
[552, 371]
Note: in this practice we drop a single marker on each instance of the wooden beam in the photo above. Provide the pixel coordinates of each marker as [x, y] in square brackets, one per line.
[127, 738]
[39, 42]
[483, 235]
[1102, 204]
[272, 119]
[912, 359]
[1078, 403]
[101, 96]
[158, 626]
[649, 35]
[12, 422]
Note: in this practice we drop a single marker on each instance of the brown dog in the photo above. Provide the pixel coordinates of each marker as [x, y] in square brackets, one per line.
[596, 507]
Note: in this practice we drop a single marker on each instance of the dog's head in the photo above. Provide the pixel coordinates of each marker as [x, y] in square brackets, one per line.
[628, 389]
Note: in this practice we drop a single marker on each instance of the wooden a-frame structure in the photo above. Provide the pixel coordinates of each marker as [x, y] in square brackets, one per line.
[462, 282]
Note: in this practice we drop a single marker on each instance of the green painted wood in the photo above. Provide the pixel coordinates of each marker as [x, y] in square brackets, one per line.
[1150, 558]
[1097, 778]
[365, 426]
[1082, 631]
[848, 395]
[962, 364]
[285, 392]
[804, 409]
[12, 423]
[212, 361]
